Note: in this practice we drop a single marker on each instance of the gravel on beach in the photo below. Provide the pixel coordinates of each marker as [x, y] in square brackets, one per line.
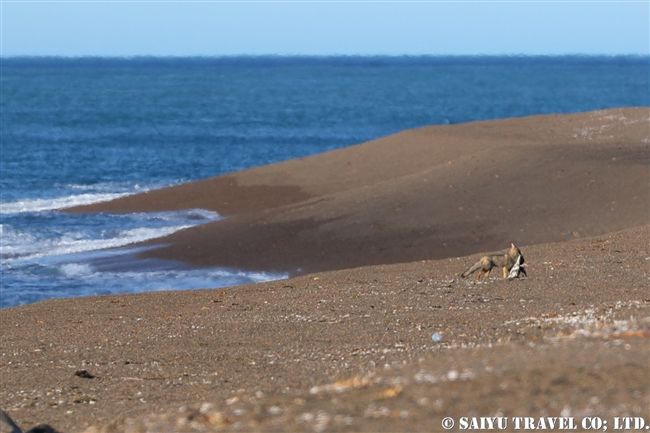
[347, 350]
[376, 331]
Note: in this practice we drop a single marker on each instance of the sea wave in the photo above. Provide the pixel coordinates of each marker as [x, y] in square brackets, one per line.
[57, 254]
[48, 204]
[73, 243]
[64, 234]
[82, 279]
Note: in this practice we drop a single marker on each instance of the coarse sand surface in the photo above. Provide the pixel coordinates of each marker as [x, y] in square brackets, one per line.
[375, 331]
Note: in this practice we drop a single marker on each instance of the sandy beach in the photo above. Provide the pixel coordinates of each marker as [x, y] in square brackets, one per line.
[428, 193]
[375, 331]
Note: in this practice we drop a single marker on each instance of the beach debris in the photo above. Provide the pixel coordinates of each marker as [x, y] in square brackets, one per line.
[342, 385]
[84, 374]
[591, 323]
[436, 337]
[391, 392]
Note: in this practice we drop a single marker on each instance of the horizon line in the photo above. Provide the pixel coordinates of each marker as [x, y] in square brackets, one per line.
[310, 56]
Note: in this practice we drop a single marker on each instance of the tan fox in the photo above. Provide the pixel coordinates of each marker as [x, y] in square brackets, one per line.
[505, 261]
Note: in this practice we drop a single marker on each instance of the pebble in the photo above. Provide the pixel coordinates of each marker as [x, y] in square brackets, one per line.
[437, 337]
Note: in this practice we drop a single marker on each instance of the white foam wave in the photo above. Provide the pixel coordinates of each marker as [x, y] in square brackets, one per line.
[42, 204]
[104, 187]
[76, 269]
[83, 279]
[63, 234]
[119, 187]
[13, 242]
[181, 215]
[74, 244]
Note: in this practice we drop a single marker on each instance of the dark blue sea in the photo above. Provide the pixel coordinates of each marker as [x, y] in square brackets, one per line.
[84, 130]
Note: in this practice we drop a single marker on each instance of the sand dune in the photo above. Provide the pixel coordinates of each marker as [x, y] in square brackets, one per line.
[428, 193]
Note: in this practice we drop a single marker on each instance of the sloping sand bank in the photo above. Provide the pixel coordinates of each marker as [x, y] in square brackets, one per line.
[428, 193]
[345, 350]
[352, 349]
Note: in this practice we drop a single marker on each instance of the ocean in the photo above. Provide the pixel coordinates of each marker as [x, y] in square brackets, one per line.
[84, 130]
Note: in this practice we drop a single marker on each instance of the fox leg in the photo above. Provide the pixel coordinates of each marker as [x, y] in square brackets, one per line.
[505, 272]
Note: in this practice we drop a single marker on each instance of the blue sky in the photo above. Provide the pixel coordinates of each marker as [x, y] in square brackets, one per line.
[212, 28]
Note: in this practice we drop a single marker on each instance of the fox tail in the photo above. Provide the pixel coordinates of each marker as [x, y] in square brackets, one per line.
[474, 268]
